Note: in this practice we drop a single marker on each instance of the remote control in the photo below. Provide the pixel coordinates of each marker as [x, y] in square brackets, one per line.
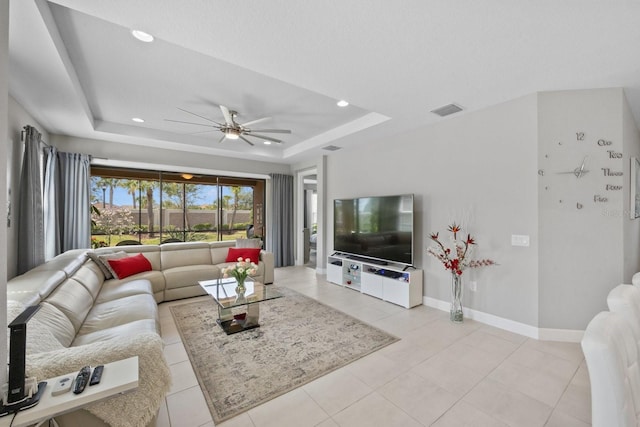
[82, 379]
[97, 374]
[63, 385]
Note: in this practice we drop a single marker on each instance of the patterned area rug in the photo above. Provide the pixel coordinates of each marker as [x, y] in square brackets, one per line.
[299, 340]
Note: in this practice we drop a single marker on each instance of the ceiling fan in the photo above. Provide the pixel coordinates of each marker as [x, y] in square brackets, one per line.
[232, 129]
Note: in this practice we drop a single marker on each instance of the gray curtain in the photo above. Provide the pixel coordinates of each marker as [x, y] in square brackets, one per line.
[30, 214]
[67, 201]
[281, 228]
[52, 210]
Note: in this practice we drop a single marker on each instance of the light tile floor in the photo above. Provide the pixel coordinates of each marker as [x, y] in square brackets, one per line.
[438, 374]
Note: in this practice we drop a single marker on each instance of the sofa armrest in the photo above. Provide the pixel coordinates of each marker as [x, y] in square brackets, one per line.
[267, 259]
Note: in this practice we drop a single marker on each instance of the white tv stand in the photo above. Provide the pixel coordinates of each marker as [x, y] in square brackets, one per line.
[388, 282]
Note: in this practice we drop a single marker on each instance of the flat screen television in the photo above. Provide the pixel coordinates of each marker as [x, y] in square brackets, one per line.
[379, 228]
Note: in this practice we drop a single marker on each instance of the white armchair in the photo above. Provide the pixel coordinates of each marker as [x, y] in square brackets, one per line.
[611, 352]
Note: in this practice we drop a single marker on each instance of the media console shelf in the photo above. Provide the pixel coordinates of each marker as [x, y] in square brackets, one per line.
[387, 282]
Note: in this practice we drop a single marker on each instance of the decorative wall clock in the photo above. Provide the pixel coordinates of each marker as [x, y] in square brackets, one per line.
[581, 172]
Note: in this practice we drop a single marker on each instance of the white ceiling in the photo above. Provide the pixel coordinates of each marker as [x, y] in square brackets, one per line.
[75, 67]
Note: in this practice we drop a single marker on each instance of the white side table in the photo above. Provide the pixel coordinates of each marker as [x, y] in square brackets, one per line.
[117, 378]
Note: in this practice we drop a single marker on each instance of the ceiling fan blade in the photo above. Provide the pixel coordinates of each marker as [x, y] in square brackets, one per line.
[198, 115]
[253, 122]
[191, 123]
[246, 140]
[222, 139]
[203, 131]
[270, 130]
[227, 115]
[268, 138]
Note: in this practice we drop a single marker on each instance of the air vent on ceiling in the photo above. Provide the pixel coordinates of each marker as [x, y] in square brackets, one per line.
[331, 148]
[447, 110]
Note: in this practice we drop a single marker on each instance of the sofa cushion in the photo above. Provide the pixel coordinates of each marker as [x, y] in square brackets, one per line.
[68, 262]
[235, 253]
[155, 277]
[219, 254]
[184, 254]
[31, 287]
[129, 266]
[189, 275]
[95, 257]
[73, 299]
[57, 323]
[119, 332]
[90, 276]
[118, 312]
[112, 290]
[104, 259]
[39, 336]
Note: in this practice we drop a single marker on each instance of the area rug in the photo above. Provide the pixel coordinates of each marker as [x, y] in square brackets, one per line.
[299, 340]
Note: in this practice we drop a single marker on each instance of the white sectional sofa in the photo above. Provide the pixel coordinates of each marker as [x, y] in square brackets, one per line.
[86, 319]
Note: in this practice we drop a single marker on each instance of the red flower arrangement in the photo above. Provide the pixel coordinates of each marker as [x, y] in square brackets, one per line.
[463, 248]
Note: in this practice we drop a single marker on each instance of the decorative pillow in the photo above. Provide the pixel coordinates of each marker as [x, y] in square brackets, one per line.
[129, 266]
[248, 243]
[252, 253]
[104, 262]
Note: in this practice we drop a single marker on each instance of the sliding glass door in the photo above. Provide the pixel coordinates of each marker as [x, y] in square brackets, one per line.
[148, 207]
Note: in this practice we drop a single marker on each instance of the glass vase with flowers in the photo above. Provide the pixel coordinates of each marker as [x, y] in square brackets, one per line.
[456, 259]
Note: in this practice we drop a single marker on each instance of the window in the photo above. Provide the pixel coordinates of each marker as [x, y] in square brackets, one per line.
[149, 207]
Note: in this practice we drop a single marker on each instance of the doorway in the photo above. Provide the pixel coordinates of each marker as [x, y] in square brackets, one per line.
[310, 220]
[307, 218]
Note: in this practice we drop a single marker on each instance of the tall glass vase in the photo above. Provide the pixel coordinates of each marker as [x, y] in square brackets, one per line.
[456, 299]
[240, 290]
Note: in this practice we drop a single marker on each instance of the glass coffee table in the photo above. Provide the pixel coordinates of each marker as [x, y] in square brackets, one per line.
[229, 303]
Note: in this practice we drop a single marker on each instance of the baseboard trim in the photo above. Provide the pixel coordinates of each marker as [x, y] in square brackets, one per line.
[546, 334]
[566, 335]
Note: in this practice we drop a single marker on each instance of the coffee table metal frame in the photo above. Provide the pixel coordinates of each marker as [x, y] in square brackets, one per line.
[224, 294]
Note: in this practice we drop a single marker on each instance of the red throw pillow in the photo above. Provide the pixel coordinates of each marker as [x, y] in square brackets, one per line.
[129, 266]
[252, 253]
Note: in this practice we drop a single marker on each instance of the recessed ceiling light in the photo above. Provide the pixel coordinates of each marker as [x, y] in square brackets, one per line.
[142, 36]
[138, 120]
[342, 103]
[267, 142]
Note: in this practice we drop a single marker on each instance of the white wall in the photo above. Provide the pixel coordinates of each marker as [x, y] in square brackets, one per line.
[479, 169]
[18, 118]
[4, 131]
[631, 227]
[581, 250]
[498, 171]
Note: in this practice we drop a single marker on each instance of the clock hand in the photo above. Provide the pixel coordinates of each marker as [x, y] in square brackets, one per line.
[575, 172]
[581, 171]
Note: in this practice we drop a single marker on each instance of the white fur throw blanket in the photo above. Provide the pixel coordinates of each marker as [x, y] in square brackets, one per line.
[133, 409]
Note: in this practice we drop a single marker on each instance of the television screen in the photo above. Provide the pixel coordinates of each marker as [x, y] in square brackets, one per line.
[375, 227]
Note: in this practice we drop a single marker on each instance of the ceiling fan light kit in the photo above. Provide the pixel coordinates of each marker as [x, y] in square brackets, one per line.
[232, 134]
[231, 129]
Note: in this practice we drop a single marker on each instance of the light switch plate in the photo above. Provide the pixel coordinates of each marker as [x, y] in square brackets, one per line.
[519, 240]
